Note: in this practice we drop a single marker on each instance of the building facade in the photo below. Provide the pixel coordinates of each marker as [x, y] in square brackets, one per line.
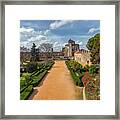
[83, 57]
[70, 48]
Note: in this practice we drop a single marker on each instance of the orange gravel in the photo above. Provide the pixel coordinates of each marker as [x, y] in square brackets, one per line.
[57, 85]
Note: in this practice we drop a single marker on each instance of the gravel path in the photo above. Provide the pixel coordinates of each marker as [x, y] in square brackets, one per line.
[57, 85]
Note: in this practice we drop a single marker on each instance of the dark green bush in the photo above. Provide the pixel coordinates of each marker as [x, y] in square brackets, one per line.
[31, 67]
[94, 69]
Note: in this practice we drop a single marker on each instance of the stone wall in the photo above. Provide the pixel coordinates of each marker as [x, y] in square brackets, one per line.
[83, 57]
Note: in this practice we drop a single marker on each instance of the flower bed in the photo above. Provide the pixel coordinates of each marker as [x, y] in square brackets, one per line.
[88, 77]
[92, 91]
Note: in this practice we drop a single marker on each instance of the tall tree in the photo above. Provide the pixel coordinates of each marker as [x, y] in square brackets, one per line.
[34, 53]
[93, 45]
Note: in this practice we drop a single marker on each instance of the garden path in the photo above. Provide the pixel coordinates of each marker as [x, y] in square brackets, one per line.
[57, 85]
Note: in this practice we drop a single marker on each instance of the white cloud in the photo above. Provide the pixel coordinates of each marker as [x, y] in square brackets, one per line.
[46, 32]
[80, 43]
[23, 29]
[92, 30]
[63, 45]
[28, 36]
[38, 37]
[55, 44]
[58, 24]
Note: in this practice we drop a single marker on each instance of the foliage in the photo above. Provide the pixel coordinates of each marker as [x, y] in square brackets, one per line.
[31, 67]
[25, 94]
[86, 78]
[74, 65]
[49, 65]
[94, 69]
[92, 90]
[34, 53]
[86, 68]
[26, 76]
[24, 81]
[37, 79]
[74, 68]
[93, 45]
[80, 83]
[33, 78]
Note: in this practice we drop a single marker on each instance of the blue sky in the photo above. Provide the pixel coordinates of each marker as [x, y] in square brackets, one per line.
[57, 32]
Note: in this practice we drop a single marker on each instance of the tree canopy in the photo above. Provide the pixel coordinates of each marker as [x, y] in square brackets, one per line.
[34, 53]
[93, 45]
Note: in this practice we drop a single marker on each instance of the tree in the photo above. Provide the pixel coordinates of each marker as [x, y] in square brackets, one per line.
[34, 53]
[46, 48]
[93, 45]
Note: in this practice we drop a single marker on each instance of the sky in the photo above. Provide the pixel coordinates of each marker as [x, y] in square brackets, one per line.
[57, 32]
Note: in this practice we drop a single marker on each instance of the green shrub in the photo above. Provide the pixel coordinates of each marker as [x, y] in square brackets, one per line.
[76, 72]
[22, 78]
[37, 73]
[25, 81]
[33, 73]
[86, 67]
[80, 83]
[26, 76]
[23, 85]
[94, 69]
[31, 67]
[48, 65]
[40, 65]
[26, 93]
[76, 66]
[37, 79]
[33, 78]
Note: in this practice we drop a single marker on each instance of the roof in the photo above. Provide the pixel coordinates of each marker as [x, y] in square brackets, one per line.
[71, 41]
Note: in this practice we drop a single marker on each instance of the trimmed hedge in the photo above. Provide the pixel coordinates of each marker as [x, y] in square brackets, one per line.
[77, 79]
[37, 79]
[33, 79]
[24, 87]
[26, 93]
